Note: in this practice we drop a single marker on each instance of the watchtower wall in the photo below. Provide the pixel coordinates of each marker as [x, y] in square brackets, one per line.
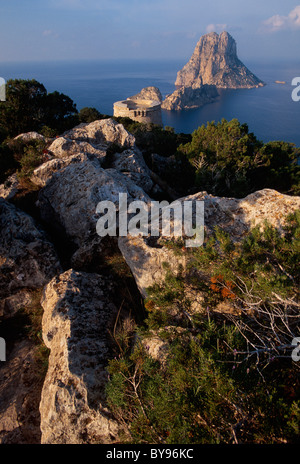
[144, 111]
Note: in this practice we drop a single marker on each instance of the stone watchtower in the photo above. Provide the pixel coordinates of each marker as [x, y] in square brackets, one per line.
[143, 107]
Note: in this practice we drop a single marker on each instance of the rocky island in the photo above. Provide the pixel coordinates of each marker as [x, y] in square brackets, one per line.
[215, 62]
[213, 65]
[186, 98]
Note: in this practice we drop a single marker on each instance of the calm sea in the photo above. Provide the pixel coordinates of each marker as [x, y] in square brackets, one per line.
[269, 112]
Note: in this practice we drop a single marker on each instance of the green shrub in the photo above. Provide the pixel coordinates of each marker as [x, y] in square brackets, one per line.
[28, 107]
[230, 161]
[225, 378]
[8, 164]
[89, 115]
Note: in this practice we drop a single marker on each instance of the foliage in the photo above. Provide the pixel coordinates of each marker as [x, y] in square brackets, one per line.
[267, 260]
[7, 162]
[29, 161]
[89, 115]
[216, 384]
[27, 155]
[23, 109]
[280, 168]
[230, 161]
[28, 107]
[223, 158]
[261, 278]
[60, 112]
[151, 138]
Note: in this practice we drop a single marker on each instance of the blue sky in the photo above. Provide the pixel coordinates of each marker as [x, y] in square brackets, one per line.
[39, 30]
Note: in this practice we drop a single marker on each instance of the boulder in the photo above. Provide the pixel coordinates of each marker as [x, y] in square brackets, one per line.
[10, 187]
[27, 258]
[238, 216]
[27, 262]
[147, 262]
[20, 393]
[132, 164]
[71, 196]
[43, 173]
[63, 147]
[28, 136]
[146, 257]
[104, 131]
[77, 322]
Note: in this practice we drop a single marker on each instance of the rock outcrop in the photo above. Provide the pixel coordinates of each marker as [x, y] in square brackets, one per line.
[43, 173]
[215, 62]
[71, 196]
[10, 187]
[27, 258]
[81, 306]
[101, 132]
[63, 147]
[20, 394]
[78, 318]
[146, 259]
[148, 93]
[30, 136]
[73, 184]
[28, 261]
[187, 98]
[132, 165]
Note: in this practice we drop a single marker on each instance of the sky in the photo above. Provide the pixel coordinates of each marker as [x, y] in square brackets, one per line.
[51, 30]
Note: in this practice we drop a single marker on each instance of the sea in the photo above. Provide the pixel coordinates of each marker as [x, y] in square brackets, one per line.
[269, 111]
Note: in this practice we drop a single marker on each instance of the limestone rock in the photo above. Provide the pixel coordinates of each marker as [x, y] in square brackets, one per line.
[27, 262]
[10, 187]
[20, 391]
[71, 196]
[236, 216]
[146, 262]
[156, 347]
[43, 173]
[63, 147]
[189, 97]
[27, 258]
[104, 131]
[148, 93]
[132, 164]
[78, 315]
[156, 344]
[28, 136]
[10, 304]
[215, 62]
